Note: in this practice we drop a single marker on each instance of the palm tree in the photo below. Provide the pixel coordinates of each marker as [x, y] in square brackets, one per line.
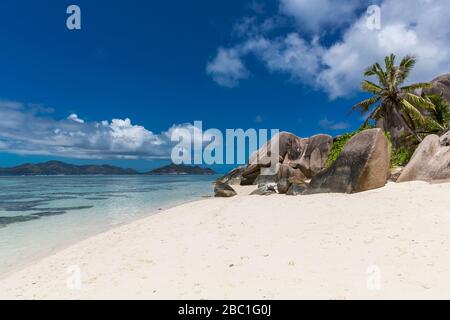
[395, 107]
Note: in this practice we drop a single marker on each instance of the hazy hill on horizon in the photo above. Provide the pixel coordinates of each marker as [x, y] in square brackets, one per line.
[55, 167]
[181, 169]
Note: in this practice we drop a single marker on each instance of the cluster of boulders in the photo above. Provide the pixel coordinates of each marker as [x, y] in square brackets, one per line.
[299, 168]
[362, 165]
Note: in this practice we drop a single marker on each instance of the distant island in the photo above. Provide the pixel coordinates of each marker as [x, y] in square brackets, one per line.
[182, 169]
[62, 168]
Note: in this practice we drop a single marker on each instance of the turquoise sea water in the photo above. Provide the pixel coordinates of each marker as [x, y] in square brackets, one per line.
[39, 215]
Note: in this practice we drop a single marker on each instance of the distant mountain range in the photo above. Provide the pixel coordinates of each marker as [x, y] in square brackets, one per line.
[58, 167]
[62, 168]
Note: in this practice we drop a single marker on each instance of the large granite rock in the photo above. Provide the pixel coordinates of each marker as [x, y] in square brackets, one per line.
[224, 190]
[441, 85]
[249, 181]
[306, 156]
[250, 174]
[286, 174]
[316, 150]
[282, 142]
[268, 189]
[395, 173]
[295, 152]
[362, 165]
[297, 188]
[430, 161]
[262, 167]
[234, 177]
[268, 175]
[444, 140]
[281, 177]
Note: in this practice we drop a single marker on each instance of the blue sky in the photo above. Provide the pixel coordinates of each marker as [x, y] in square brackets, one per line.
[294, 65]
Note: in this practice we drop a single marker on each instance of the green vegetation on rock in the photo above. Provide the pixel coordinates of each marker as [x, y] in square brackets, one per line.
[399, 157]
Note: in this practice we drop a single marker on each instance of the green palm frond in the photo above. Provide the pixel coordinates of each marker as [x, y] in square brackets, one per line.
[442, 110]
[376, 70]
[391, 71]
[389, 61]
[376, 114]
[423, 103]
[391, 99]
[406, 66]
[416, 86]
[364, 105]
[371, 87]
[370, 71]
[413, 112]
[432, 125]
[408, 62]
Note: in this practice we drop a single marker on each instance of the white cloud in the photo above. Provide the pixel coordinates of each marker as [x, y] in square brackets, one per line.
[331, 125]
[227, 68]
[75, 118]
[26, 130]
[318, 14]
[290, 54]
[195, 133]
[417, 27]
[253, 27]
[5, 104]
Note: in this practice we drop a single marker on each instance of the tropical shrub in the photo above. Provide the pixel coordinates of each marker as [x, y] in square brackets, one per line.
[401, 156]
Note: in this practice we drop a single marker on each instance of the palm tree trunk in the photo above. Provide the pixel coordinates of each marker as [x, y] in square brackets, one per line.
[391, 125]
[406, 125]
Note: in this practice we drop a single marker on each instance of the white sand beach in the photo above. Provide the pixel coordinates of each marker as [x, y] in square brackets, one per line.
[388, 243]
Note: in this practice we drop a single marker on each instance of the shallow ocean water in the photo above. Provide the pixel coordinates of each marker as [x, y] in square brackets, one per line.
[41, 214]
